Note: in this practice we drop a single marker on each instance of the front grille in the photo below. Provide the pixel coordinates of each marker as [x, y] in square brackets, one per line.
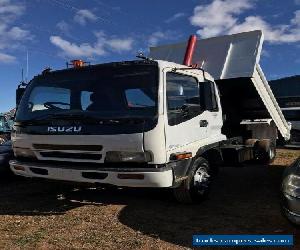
[65, 155]
[68, 147]
[69, 152]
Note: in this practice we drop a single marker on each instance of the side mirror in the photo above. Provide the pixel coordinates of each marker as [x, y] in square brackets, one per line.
[19, 93]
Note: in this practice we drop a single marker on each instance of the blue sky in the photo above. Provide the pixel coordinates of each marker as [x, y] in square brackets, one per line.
[56, 31]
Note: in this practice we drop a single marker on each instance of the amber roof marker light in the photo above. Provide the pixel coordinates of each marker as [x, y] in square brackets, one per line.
[77, 63]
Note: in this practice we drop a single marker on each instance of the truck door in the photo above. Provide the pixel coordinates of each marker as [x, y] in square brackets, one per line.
[192, 111]
[211, 102]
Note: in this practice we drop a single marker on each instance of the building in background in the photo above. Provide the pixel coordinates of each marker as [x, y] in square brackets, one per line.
[287, 92]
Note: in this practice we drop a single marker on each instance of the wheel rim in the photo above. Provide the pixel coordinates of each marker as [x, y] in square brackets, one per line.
[271, 153]
[201, 180]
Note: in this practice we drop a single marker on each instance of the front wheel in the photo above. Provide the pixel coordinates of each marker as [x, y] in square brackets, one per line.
[196, 187]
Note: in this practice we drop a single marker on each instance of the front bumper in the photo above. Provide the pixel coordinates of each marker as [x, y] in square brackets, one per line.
[291, 208]
[152, 177]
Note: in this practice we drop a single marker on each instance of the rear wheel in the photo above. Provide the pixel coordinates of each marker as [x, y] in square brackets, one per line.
[266, 151]
[196, 187]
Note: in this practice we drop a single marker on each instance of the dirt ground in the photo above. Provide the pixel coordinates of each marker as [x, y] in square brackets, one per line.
[38, 214]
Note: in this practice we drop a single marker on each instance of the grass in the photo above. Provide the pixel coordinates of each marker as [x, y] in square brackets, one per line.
[36, 214]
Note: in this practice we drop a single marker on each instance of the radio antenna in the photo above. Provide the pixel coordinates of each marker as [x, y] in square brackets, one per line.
[22, 74]
[27, 66]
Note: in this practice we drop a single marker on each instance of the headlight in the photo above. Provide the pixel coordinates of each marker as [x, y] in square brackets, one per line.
[291, 185]
[120, 156]
[24, 152]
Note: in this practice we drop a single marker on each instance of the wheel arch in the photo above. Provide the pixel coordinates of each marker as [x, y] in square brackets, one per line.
[213, 155]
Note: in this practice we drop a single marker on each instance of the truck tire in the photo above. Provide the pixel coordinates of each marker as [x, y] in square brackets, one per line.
[266, 151]
[196, 187]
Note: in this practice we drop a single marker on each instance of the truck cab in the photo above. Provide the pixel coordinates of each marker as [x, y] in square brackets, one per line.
[118, 119]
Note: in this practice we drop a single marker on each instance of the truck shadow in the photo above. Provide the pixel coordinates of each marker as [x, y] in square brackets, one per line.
[19, 196]
[242, 201]
[34, 197]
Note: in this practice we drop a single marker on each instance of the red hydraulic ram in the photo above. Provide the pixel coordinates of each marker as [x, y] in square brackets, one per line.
[190, 50]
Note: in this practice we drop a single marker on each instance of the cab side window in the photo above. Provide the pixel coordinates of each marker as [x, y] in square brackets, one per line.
[210, 99]
[183, 98]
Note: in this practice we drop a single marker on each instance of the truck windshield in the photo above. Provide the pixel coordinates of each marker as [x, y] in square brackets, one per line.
[114, 91]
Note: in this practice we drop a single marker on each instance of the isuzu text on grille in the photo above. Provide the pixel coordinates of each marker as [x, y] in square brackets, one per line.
[64, 129]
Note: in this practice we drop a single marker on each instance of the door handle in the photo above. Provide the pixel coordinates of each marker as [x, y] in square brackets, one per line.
[203, 123]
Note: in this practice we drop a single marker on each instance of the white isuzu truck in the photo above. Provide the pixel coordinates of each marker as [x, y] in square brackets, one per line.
[152, 122]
